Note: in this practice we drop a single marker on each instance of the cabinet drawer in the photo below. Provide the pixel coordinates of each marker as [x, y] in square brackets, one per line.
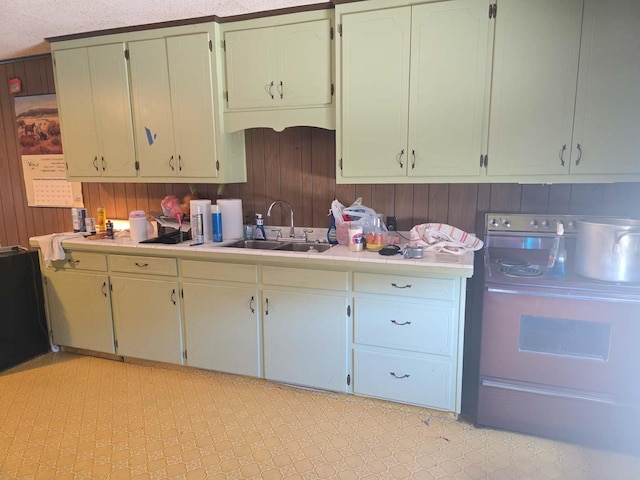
[150, 265]
[227, 272]
[404, 285]
[300, 277]
[93, 262]
[408, 326]
[403, 378]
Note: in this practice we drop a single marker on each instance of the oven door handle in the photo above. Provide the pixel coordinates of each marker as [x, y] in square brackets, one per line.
[550, 294]
[549, 391]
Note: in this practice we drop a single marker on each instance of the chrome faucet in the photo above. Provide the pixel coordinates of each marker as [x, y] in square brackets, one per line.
[292, 230]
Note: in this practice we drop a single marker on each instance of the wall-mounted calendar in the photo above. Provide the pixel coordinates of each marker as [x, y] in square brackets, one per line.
[42, 160]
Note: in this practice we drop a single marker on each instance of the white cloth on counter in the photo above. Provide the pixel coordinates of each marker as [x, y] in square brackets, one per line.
[440, 237]
[51, 246]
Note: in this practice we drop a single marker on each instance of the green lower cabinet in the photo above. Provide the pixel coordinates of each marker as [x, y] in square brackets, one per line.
[79, 310]
[305, 339]
[146, 317]
[222, 327]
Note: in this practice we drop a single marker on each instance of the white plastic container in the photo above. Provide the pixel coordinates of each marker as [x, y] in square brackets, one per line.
[139, 226]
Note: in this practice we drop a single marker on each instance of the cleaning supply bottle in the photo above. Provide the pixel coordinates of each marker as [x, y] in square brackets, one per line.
[332, 236]
[259, 233]
[557, 255]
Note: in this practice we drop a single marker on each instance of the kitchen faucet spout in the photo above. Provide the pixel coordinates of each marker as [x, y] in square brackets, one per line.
[292, 230]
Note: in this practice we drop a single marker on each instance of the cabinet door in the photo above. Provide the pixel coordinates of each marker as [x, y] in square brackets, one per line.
[112, 107]
[305, 339]
[536, 51]
[304, 64]
[250, 65]
[375, 92]
[608, 101]
[80, 311]
[146, 316]
[152, 108]
[448, 97]
[222, 328]
[75, 100]
[192, 104]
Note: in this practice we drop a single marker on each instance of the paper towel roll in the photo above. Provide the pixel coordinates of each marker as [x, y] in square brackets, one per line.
[202, 207]
[231, 210]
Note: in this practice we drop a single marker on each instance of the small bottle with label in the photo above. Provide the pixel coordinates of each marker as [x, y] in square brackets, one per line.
[109, 229]
[557, 255]
[259, 233]
[101, 219]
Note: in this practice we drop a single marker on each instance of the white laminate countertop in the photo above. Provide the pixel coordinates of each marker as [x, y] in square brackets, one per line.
[436, 263]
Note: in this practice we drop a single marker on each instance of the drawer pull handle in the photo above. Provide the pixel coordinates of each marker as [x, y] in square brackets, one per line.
[104, 288]
[408, 285]
[173, 296]
[398, 376]
[251, 305]
[400, 323]
[142, 265]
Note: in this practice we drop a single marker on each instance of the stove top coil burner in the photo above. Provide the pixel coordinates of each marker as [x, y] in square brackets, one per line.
[512, 262]
[520, 271]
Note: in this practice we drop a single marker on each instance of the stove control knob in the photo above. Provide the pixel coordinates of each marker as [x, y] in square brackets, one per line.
[506, 222]
[545, 224]
[534, 224]
[571, 225]
[494, 222]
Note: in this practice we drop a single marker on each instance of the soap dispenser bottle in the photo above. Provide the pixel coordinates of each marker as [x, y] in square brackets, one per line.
[332, 236]
[259, 233]
[557, 255]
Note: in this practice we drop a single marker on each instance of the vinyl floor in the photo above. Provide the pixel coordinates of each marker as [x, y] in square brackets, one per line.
[67, 416]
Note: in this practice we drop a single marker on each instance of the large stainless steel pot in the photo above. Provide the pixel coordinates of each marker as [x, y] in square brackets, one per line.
[609, 250]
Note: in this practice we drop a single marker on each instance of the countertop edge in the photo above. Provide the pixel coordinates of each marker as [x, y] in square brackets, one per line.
[337, 257]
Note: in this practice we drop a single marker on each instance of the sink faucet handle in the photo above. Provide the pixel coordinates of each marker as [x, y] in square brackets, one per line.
[305, 232]
[278, 233]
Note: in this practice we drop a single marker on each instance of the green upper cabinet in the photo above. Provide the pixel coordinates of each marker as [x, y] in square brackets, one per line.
[412, 90]
[278, 71]
[565, 96]
[173, 106]
[374, 85]
[146, 106]
[607, 118]
[537, 45]
[92, 86]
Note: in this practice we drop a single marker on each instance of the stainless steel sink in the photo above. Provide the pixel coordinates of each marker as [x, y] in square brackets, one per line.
[255, 244]
[304, 247]
[281, 246]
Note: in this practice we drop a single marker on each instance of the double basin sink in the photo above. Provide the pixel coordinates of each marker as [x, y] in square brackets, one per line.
[281, 246]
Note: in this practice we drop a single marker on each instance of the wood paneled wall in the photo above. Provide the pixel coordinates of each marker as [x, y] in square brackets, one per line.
[297, 165]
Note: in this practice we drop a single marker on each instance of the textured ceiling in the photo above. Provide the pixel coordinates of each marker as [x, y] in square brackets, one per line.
[24, 25]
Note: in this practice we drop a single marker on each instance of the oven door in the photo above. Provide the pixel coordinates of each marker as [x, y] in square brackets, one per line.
[582, 343]
[559, 365]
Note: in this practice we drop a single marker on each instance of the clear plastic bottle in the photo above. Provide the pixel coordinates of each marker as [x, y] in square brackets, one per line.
[259, 233]
[557, 255]
[376, 236]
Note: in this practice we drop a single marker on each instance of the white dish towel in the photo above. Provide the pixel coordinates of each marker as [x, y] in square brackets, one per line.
[440, 237]
[51, 246]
